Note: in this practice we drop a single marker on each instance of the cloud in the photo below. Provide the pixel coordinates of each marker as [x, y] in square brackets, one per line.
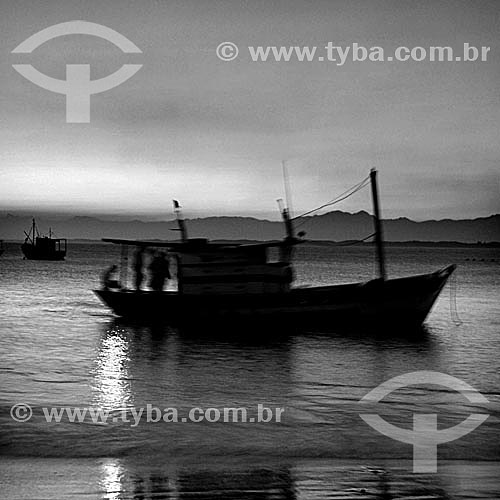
[215, 133]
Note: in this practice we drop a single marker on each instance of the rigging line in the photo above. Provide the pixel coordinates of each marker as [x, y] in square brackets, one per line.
[339, 198]
[342, 197]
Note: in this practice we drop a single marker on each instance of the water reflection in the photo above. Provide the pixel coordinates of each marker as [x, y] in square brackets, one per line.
[112, 478]
[303, 371]
[296, 481]
[143, 483]
[111, 376]
[318, 378]
[165, 368]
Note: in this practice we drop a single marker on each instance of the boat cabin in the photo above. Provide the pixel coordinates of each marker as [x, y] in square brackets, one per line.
[45, 244]
[231, 269]
[202, 267]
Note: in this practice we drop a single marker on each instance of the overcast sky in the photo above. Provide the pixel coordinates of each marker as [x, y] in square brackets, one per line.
[212, 134]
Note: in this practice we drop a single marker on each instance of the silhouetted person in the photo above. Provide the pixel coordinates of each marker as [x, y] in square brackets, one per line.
[160, 271]
[138, 268]
[108, 278]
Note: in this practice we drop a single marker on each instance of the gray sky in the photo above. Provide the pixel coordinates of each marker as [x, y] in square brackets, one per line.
[212, 134]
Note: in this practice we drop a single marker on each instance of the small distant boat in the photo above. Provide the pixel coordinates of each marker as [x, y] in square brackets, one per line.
[36, 247]
[2, 249]
[239, 283]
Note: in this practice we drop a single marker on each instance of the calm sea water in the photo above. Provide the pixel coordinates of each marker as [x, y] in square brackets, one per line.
[61, 347]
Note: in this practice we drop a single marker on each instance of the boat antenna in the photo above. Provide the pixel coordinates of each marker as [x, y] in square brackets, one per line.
[285, 210]
[286, 182]
[180, 222]
[379, 236]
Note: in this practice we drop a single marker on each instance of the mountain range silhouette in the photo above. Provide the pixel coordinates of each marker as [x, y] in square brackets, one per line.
[331, 226]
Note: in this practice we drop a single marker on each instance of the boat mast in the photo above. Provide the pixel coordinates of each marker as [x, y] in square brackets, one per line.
[180, 222]
[379, 237]
[34, 229]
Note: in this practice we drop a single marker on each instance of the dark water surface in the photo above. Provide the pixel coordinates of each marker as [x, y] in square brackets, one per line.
[60, 347]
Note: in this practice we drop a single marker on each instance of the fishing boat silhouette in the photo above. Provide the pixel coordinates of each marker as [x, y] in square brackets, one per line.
[238, 283]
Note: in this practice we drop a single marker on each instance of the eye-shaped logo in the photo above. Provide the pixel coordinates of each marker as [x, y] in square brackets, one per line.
[78, 87]
[425, 435]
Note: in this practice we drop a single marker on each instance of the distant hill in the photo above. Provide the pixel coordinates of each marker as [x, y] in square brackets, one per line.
[332, 226]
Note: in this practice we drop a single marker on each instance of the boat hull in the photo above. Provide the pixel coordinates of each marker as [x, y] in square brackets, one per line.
[33, 253]
[396, 302]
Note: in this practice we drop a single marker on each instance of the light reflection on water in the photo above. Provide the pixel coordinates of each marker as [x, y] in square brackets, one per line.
[112, 379]
[112, 477]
